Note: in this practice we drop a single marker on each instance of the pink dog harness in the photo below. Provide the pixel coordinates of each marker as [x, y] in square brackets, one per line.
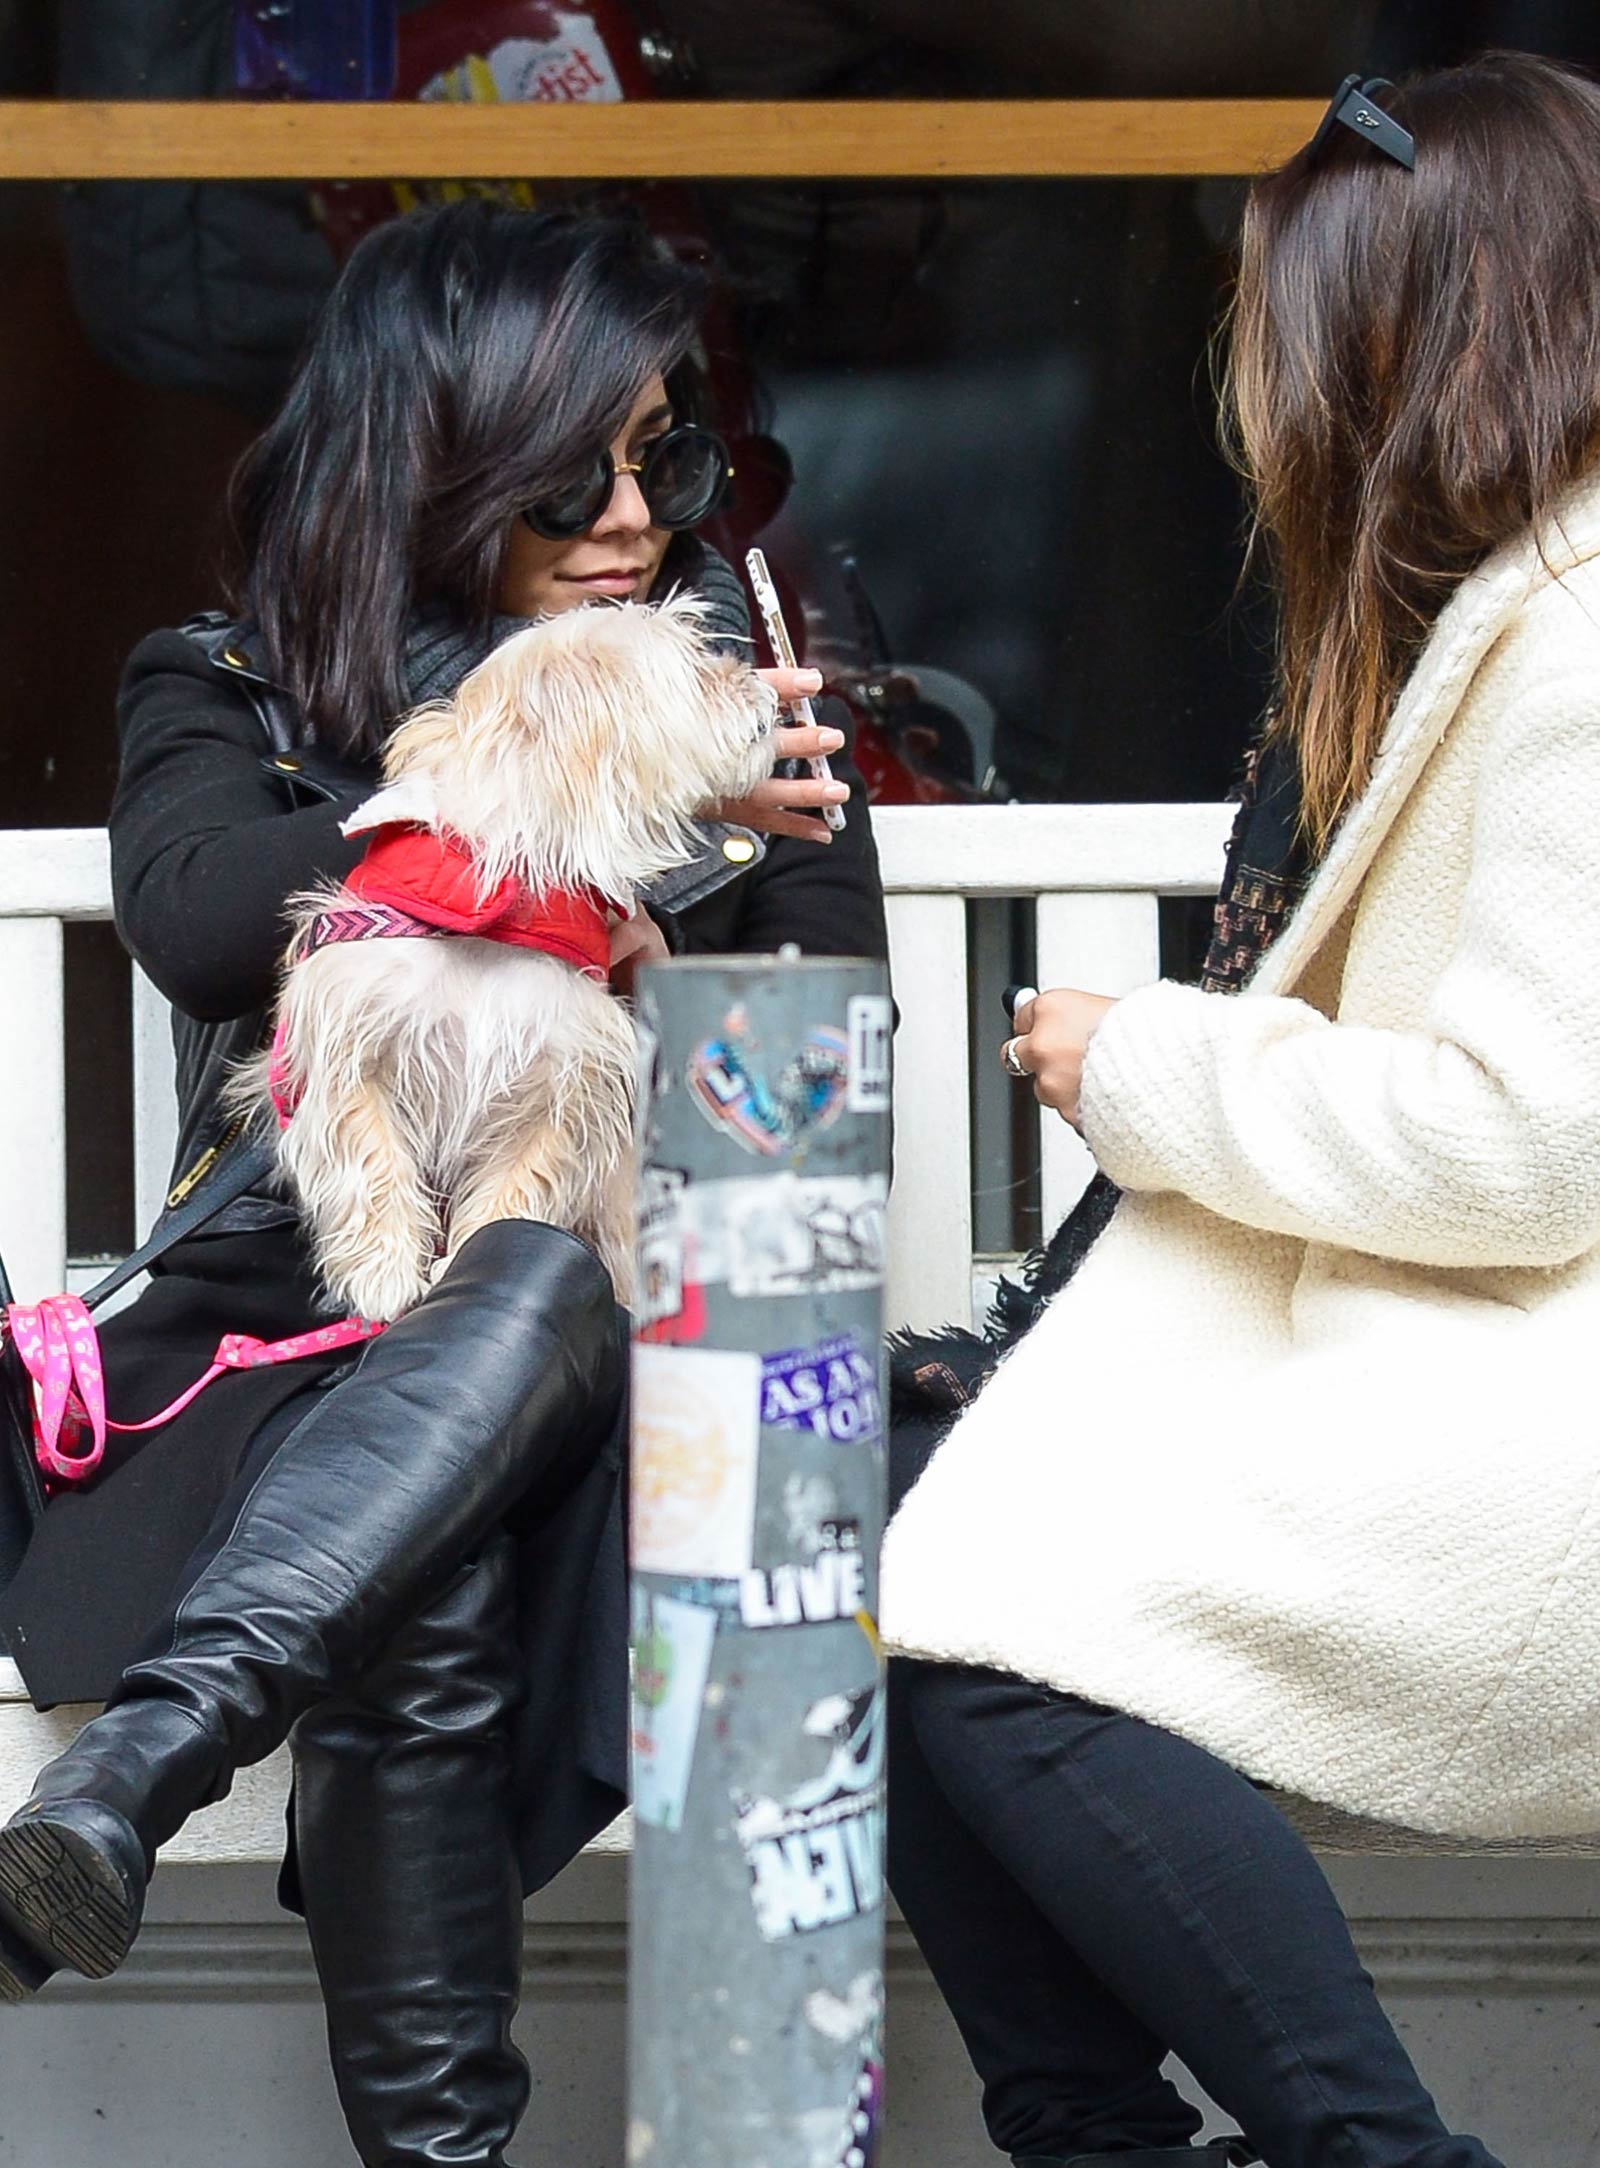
[61, 1354]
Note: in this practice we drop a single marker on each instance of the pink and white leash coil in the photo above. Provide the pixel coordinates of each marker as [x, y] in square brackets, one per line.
[59, 1350]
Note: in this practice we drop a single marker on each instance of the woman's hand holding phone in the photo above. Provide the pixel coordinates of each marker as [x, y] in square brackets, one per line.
[1050, 1036]
[781, 806]
[635, 941]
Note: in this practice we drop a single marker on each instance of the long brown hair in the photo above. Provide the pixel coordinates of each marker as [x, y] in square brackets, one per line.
[1414, 378]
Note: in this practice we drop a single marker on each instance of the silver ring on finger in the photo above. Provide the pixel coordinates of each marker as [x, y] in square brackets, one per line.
[1008, 1055]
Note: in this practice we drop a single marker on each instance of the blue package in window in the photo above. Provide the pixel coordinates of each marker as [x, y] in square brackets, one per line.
[315, 48]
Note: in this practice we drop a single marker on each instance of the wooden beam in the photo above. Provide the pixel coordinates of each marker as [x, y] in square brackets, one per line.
[856, 139]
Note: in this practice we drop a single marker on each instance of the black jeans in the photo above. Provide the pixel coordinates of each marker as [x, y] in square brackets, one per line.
[1090, 1892]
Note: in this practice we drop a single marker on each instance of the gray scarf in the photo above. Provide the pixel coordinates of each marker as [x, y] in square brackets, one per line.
[440, 650]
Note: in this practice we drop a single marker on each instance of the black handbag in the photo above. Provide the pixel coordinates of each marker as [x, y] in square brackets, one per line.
[239, 1168]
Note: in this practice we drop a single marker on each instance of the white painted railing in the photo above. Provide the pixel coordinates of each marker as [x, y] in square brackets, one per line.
[1096, 871]
[49, 878]
[1096, 874]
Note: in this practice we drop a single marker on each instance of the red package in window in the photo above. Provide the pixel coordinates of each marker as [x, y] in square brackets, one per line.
[494, 52]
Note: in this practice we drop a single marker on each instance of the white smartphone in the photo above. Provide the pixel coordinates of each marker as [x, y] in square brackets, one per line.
[783, 654]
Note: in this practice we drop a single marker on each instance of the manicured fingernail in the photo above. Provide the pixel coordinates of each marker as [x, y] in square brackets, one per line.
[832, 740]
[811, 681]
[835, 793]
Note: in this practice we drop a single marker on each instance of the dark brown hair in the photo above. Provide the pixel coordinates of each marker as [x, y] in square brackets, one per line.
[1414, 378]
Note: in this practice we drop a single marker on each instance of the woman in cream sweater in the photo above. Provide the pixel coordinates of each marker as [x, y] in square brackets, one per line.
[1297, 1482]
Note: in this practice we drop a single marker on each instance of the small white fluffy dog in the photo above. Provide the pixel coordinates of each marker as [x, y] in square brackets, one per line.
[437, 1084]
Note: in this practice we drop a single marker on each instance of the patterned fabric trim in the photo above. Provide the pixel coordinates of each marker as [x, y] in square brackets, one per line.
[363, 922]
[1266, 873]
[1250, 914]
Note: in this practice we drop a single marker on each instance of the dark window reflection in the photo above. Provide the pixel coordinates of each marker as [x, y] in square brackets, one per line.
[1017, 48]
[996, 400]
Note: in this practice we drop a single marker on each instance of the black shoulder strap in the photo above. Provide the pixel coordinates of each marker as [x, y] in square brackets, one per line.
[229, 649]
[237, 1171]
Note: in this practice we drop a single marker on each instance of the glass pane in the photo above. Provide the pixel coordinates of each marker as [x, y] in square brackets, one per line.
[729, 48]
[1010, 527]
[603, 50]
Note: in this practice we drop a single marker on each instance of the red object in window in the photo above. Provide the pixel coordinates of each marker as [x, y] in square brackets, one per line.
[489, 52]
[557, 51]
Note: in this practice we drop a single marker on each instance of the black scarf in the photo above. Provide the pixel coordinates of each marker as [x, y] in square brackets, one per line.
[1265, 874]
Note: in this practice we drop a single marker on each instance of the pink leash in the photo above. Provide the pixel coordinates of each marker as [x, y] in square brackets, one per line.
[56, 1337]
[59, 1350]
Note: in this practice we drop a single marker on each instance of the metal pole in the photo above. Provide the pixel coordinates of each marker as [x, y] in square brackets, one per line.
[756, 1959]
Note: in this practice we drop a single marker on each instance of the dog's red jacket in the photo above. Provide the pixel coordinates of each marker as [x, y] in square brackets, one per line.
[432, 879]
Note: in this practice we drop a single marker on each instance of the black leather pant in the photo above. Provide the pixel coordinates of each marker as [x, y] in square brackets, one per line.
[1092, 1893]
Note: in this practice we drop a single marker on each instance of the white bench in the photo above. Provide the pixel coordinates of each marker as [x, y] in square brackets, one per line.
[1525, 1926]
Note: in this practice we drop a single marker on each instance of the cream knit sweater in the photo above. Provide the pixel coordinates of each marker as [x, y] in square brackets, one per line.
[1305, 1463]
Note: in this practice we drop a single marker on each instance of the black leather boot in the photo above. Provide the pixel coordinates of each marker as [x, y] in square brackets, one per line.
[509, 1373]
[404, 1835]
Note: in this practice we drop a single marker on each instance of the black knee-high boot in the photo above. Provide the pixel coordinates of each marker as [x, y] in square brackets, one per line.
[512, 1369]
[404, 1838]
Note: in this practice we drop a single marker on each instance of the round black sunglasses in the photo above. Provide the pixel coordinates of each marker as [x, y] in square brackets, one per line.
[682, 478]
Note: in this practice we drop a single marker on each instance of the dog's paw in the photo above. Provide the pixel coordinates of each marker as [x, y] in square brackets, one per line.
[382, 1292]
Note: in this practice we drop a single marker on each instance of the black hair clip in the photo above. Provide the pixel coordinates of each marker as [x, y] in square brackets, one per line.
[1353, 106]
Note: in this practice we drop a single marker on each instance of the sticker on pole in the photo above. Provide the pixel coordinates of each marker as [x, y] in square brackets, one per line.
[830, 1584]
[695, 1442]
[816, 1856]
[856, 2015]
[649, 1078]
[671, 1657]
[869, 1028]
[769, 1100]
[669, 1303]
[800, 1235]
[831, 1389]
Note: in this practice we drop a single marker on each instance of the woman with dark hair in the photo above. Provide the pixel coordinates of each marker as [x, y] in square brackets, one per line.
[1293, 1481]
[413, 1562]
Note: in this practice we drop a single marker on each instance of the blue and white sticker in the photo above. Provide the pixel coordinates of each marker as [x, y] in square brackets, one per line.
[830, 1389]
